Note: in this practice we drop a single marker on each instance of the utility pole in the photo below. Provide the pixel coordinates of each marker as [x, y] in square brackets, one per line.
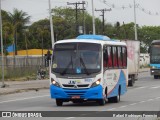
[84, 27]
[25, 34]
[103, 11]
[93, 19]
[76, 8]
[135, 24]
[51, 23]
[2, 55]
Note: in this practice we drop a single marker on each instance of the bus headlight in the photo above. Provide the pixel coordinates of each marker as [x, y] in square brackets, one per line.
[96, 83]
[54, 82]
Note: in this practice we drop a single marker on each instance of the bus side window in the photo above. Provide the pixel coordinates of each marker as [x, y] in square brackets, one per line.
[115, 61]
[105, 57]
[124, 56]
[109, 51]
[120, 56]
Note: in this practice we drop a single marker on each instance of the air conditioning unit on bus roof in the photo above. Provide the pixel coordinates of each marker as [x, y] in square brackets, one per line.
[94, 37]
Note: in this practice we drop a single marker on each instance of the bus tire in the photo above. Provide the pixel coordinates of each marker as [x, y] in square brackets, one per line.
[102, 102]
[115, 99]
[131, 82]
[155, 76]
[59, 102]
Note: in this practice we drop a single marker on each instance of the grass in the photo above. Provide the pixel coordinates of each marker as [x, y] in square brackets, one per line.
[19, 73]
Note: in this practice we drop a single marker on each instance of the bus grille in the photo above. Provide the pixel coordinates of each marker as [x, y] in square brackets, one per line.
[78, 86]
[84, 85]
[66, 85]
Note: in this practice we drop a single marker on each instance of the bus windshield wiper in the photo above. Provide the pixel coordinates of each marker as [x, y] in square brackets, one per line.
[81, 60]
[65, 70]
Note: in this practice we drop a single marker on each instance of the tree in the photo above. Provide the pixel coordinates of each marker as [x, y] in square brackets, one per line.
[7, 30]
[18, 19]
[66, 18]
[40, 30]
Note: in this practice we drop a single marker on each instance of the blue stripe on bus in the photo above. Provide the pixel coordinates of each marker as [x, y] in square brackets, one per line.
[122, 83]
[155, 65]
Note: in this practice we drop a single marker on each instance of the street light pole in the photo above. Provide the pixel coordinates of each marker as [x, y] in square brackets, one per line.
[3, 85]
[135, 24]
[42, 49]
[51, 23]
[93, 18]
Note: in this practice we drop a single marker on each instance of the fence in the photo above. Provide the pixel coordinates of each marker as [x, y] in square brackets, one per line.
[21, 66]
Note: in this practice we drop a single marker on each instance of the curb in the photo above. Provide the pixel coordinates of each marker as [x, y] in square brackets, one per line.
[23, 90]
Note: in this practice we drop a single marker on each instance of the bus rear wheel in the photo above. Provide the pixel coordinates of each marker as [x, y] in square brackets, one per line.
[156, 76]
[59, 102]
[131, 81]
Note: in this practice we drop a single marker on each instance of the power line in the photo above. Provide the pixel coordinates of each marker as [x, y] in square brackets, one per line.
[103, 11]
[123, 7]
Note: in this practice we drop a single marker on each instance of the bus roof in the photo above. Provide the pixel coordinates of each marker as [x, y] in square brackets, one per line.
[99, 39]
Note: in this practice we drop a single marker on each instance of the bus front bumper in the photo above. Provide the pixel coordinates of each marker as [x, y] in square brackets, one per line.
[90, 93]
[155, 71]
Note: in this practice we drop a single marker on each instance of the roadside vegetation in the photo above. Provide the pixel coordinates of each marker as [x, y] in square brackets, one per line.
[18, 30]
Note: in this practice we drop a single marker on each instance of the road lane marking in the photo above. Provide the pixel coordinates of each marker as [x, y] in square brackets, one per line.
[149, 100]
[154, 87]
[123, 106]
[133, 104]
[141, 87]
[142, 101]
[69, 117]
[157, 98]
[23, 99]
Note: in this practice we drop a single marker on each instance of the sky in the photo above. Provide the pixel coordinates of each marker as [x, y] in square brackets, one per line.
[147, 11]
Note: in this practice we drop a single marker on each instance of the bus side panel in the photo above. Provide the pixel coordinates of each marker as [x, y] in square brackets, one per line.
[155, 70]
[116, 78]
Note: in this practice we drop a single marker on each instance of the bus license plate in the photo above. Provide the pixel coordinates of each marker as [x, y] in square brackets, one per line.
[75, 97]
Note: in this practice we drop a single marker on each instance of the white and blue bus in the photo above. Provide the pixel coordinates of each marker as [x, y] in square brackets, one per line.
[88, 68]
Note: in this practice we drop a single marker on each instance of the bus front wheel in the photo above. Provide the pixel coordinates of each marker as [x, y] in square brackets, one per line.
[101, 101]
[59, 102]
[117, 98]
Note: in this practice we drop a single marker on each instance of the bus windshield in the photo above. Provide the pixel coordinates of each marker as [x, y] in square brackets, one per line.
[155, 54]
[76, 58]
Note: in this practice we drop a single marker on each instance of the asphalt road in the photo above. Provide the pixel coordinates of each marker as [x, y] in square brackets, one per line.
[144, 96]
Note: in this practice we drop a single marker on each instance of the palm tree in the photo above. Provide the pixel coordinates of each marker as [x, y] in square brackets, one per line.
[6, 27]
[18, 19]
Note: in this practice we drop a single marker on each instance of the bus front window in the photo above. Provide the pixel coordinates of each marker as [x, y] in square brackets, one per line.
[155, 54]
[76, 58]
